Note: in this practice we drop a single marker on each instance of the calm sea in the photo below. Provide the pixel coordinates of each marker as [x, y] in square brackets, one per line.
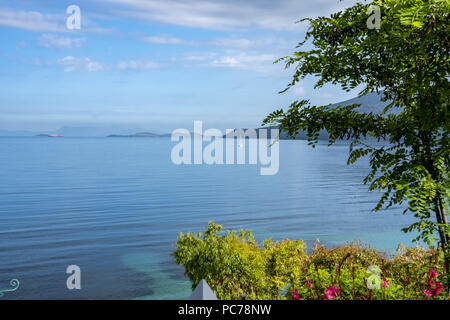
[114, 207]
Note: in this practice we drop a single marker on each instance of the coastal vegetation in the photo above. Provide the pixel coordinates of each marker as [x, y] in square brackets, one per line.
[239, 268]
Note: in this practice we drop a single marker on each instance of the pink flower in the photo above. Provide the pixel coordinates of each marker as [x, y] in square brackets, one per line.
[436, 288]
[327, 297]
[295, 295]
[308, 284]
[385, 283]
[432, 273]
[331, 293]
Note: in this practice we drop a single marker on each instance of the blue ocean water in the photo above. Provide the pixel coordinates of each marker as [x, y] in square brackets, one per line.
[115, 206]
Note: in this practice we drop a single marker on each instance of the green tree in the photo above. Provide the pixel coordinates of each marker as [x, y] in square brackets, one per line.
[407, 60]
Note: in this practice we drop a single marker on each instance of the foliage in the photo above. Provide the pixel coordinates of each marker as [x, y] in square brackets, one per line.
[417, 12]
[237, 267]
[233, 264]
[408, 61]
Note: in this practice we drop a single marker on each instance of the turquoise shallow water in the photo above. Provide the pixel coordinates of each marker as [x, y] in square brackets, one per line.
[114, 207]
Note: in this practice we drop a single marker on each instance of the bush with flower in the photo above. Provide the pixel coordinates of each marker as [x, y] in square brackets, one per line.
[237, 267]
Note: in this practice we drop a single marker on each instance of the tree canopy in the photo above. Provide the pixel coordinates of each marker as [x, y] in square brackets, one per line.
[407, 60]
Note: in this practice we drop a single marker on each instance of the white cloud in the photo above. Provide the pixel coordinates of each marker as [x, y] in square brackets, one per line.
[234, 60]
[298, 90]
[32, 20]
[136, 65]
[71, 64]
[260, 63]
[232, 14]
[167, 40]
[233, 43]
[93, 65]
[253, 44]
[229, 45]
[54, 41]
[20, 45]
[201, 56]
[44, 22]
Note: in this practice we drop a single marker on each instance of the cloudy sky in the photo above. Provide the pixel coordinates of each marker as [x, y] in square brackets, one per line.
[153, 64]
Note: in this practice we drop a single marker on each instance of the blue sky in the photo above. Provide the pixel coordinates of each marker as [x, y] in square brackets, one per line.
[152, 64]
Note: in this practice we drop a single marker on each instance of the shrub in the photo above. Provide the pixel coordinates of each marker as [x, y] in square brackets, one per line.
[233, 264]
[237, 267]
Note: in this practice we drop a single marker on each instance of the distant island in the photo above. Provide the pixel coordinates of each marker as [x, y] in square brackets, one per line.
[49, 135]
[148, 135]
[369, 103]
[140, 135]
